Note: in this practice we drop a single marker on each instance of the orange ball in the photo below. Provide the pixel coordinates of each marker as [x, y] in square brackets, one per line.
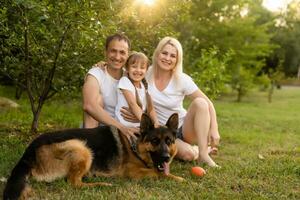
[198, 171]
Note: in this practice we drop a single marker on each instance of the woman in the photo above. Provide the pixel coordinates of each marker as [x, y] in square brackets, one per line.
[168, 86]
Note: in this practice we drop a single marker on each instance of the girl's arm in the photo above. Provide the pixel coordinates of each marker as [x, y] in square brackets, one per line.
[131, 100]
[153, 117]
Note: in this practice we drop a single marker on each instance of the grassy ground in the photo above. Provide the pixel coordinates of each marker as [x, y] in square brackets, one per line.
[259, 152]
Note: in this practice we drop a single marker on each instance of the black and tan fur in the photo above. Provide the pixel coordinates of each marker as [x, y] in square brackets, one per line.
[102, 151]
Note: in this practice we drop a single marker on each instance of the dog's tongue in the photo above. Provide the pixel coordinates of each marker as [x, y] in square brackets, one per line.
[166, 168]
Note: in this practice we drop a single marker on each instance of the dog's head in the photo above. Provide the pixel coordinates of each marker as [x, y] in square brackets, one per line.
[157, 145]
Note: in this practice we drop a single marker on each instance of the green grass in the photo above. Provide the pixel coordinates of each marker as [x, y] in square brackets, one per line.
[248, 129]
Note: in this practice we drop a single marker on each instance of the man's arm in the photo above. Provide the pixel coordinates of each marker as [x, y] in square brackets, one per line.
[93, 107]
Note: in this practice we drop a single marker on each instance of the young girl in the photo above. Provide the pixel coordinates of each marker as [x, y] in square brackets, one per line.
[133, 90]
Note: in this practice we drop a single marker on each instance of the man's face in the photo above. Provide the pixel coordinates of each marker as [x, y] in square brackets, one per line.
[117, 53]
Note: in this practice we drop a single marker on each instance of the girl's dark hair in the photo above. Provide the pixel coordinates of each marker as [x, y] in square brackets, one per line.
[132, 59]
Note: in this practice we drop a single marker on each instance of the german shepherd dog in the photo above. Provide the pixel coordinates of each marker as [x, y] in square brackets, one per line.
[102, 151]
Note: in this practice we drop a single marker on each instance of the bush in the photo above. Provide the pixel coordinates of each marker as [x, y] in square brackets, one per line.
[209, 71]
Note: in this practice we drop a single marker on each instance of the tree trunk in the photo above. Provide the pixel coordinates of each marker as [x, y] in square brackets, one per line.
[298, 75]
[19, 91]
[239, 95]
[271, 90]
[35, 121]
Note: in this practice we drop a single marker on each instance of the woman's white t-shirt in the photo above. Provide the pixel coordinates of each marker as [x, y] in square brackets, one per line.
[108, 88]
[126, 84]
[170, 99]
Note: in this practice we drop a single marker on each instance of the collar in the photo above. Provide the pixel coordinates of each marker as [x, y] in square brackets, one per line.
[134, 149]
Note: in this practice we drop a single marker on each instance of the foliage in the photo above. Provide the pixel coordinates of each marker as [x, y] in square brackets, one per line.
[146, 25]
[209, 71]
[287, 37]
[47, 44]
[222, 24]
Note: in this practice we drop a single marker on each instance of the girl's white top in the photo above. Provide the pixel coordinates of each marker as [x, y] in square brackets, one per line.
[126, 84]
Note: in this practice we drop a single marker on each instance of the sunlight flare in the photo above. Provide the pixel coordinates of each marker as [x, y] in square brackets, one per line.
[147, 2]
[276, 5]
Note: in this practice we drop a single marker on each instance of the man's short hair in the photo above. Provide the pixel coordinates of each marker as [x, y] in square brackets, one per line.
[117, 36]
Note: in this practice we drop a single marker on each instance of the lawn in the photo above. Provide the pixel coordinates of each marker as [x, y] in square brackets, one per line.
[259, 152]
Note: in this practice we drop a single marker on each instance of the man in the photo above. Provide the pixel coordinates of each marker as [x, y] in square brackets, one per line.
[100, 87]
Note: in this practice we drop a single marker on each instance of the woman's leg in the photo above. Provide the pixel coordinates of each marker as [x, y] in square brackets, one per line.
[185, 151]
[196, 128]
[214, 136]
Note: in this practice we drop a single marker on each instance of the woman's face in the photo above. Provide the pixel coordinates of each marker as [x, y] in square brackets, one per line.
[167, 58]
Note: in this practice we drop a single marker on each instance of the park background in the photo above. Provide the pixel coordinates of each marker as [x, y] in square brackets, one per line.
[244, 54]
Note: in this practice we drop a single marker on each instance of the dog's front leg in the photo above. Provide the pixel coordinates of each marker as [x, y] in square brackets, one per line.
[177, 178]
[143, 173]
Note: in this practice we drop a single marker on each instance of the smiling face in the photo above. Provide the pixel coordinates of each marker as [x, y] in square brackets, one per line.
[117, 54]
[167, 58]
[137, 71]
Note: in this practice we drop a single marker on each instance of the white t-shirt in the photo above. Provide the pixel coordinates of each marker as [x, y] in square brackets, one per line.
[126, 84]
[170, 100]
[108, 88]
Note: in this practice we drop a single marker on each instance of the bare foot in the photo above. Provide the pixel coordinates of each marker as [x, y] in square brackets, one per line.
[195, 148]
[205, 158]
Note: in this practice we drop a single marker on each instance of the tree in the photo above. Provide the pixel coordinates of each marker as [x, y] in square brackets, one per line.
[209, 71]
[47, 43]
[287, 37]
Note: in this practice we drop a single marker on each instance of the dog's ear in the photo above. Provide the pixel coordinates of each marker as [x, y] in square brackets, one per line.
[146, 123]
[172, 122]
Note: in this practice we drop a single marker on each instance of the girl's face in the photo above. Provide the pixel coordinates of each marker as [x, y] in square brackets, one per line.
[137, 71]
[167, 58]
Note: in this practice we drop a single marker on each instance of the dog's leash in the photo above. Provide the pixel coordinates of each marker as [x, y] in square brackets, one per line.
[133, 147]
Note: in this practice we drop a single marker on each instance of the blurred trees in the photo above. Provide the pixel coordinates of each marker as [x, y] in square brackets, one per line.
[287, 37]
[231, 26]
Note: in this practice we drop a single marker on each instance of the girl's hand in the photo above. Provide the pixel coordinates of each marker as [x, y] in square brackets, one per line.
[128, 115]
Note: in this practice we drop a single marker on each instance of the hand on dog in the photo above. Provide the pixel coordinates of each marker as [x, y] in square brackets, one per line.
[129, 132]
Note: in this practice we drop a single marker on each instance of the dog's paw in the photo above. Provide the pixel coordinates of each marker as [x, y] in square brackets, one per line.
[180, 179]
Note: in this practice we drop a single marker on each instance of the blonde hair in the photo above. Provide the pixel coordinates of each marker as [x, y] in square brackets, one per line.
[178, 67]
[133, 58]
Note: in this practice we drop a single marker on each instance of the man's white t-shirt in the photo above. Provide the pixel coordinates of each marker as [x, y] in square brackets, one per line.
[170, 100]
[126, 84]
[108, 88]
